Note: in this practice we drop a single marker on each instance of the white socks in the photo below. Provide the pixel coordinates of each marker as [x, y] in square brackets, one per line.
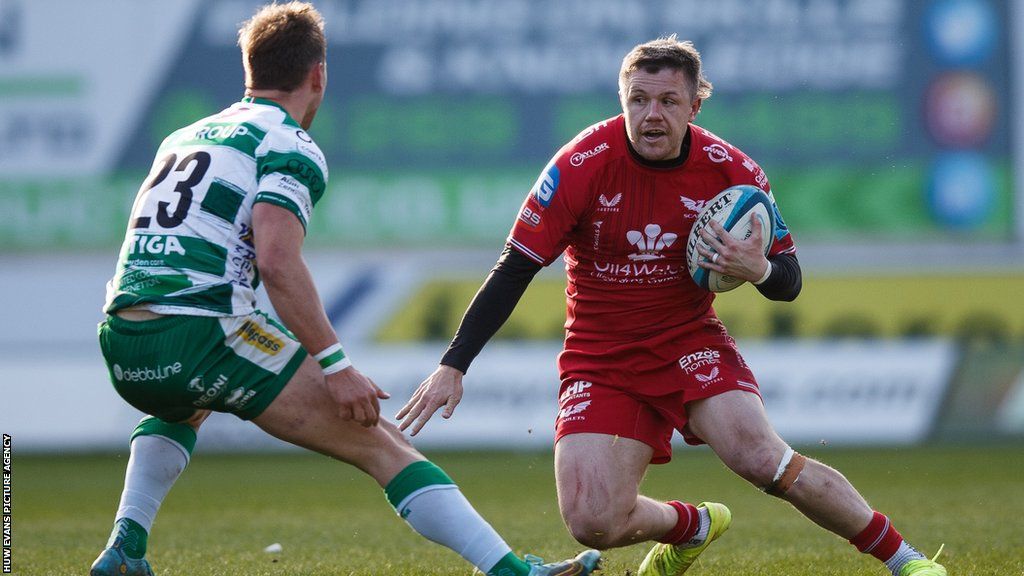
[442, 514]
[154, 465]
[904, 554]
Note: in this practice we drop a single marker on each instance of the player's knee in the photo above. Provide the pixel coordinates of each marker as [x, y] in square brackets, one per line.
[591, 531]
[594, 529]
[755, 466]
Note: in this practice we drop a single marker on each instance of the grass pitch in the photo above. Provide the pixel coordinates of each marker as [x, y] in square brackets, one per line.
[332, 520]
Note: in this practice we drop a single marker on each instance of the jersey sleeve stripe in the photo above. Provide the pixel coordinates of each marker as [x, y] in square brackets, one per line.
[297, 166]
[283, 202]
[527, 252]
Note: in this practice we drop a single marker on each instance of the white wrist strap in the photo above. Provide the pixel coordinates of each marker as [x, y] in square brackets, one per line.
[332, 359]
[767, 273]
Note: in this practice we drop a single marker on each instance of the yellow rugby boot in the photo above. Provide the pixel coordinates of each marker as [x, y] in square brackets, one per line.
[672, 560]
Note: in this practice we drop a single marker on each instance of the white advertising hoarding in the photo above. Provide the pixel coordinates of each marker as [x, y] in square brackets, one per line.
[843, 393]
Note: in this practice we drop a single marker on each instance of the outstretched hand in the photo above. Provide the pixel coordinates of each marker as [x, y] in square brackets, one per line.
[442, 388]
[735, 257]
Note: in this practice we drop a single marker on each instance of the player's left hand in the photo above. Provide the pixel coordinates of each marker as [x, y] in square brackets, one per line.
[442, 388]
[737, 258]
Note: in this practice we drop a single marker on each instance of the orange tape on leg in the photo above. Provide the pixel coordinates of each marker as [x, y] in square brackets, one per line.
[789, 475]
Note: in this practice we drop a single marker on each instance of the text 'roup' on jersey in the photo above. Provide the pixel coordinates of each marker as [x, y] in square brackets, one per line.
[623, 227]
[189, 245]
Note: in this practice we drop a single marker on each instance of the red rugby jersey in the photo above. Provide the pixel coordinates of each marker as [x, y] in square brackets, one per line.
[623, 227]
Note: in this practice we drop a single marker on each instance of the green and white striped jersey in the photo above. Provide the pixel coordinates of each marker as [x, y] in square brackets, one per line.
[189, 245]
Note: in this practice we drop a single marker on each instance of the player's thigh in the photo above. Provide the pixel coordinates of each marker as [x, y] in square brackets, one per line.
[735, 425]
[599, 473]
[305, 413]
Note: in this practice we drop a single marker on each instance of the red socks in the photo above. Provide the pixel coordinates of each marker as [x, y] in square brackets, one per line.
[880, 538]
[686, 526]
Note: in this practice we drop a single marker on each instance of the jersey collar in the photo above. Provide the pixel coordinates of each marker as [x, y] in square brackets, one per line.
[268, 102]
[676, 162]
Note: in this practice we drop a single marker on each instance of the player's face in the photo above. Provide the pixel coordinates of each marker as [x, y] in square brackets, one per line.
[658, 108]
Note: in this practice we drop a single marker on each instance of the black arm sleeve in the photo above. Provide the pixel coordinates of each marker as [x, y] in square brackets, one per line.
[491, 307]
[785, 281]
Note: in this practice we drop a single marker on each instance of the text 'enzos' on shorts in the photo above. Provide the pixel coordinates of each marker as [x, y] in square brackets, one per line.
[172, 366]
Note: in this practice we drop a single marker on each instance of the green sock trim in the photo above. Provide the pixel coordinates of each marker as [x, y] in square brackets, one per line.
[413, 477]
[510, 565]
[181, 433]
[130, 537]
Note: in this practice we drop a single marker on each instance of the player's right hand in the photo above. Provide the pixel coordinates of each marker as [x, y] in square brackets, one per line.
[442, 388]
[357, 396]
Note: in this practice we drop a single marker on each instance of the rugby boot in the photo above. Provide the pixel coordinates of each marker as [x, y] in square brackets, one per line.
[113, 562]
[924, 567]
[582, 565]
[672, 560]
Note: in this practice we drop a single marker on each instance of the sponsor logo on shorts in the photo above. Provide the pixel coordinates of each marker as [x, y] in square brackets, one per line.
[576, 390]
[573, 412]
[700, 359]
[238, 398]
[146, 374]
[709, 377]
[255, 336]
[208, 394]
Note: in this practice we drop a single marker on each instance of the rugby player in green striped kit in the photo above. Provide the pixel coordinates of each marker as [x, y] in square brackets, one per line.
[225, 207]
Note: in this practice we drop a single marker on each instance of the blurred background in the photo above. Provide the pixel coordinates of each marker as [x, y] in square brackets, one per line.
[892, 132]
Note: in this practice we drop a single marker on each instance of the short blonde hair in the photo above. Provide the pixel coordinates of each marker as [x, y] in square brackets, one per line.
[667, 52]
[280, 44]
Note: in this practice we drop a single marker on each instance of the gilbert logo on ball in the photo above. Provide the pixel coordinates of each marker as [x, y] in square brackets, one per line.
[735, 208]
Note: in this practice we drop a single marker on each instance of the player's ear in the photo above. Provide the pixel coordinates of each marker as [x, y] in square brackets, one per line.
[318, 77]
[695, 108]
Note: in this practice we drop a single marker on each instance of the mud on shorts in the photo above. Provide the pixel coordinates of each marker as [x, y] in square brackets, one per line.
[607, 402]
[172, 366]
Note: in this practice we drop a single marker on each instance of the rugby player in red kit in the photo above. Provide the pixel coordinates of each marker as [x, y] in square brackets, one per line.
[645, 354]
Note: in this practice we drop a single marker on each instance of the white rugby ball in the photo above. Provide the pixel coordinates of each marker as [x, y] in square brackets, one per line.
[735, 209]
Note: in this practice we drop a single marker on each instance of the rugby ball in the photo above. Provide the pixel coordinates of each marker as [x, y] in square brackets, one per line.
[735, 209]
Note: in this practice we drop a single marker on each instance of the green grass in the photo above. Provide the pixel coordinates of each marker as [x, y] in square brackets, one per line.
[332, 520]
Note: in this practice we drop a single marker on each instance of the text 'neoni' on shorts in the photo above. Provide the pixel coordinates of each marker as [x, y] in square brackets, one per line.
[172, 366]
